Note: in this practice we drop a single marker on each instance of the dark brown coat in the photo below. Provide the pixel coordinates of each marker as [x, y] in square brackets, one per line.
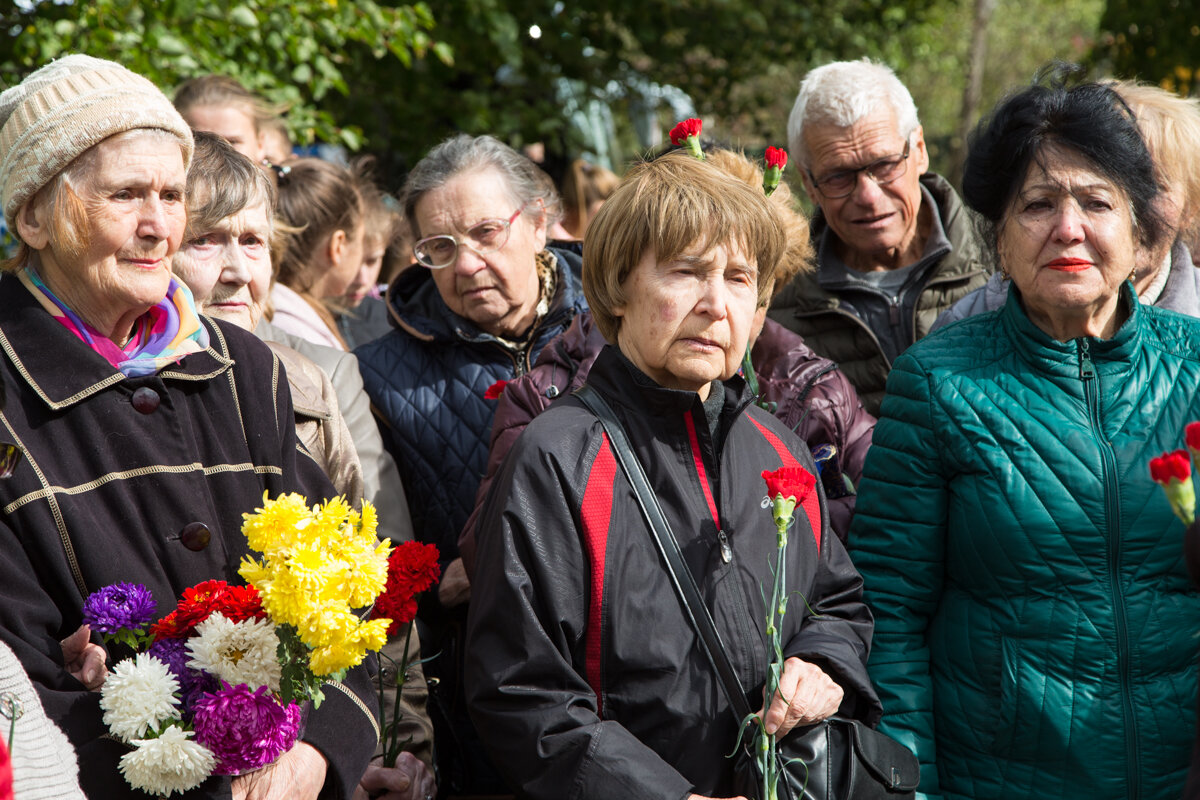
[114, 469]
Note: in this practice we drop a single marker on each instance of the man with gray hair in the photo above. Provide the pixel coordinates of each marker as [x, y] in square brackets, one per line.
[895, 246]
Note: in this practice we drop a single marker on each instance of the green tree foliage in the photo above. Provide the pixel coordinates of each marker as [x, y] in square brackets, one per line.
[298, 54]
[1153, 40]
[1023, 36]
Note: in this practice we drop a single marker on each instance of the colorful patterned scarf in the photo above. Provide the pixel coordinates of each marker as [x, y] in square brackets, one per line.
[163, 335]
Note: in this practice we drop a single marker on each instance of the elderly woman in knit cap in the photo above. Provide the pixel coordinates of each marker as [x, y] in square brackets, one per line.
[147, 430]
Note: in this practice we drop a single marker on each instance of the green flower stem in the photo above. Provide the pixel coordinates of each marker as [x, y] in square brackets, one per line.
[767, 755]
[391, 749]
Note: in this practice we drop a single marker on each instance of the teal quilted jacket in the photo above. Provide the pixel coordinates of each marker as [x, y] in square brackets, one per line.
[1035, 634]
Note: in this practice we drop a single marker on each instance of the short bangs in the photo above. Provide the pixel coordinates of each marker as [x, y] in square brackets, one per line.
[668, 206]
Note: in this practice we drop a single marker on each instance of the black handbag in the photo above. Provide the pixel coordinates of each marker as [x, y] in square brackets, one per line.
[835, 759]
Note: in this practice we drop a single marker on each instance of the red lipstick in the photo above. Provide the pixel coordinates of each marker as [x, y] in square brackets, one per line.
[1070, 264]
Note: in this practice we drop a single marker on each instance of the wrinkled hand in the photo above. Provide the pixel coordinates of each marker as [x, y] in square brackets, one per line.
[299, 774]
[813, 697]
[455, 588]
[410, 779]
[84, 659]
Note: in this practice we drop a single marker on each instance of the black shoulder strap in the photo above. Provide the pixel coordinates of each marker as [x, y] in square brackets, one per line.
[668, 548]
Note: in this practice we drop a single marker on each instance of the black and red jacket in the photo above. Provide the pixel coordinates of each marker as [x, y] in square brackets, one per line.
[584, 677]
[811, 396]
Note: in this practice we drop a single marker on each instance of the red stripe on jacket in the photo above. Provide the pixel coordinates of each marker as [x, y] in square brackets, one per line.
[810, 503]
[708, 495]
[595, 514]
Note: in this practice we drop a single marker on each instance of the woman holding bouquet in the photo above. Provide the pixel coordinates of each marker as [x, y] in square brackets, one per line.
[582, 668]
[1035, 631]
[147, 430]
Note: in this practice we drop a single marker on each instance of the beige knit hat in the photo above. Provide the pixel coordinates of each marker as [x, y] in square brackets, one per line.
[62, 110]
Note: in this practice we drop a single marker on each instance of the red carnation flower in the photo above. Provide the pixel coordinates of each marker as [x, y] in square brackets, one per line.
[788, 482]
[412, 568]
[1192, 435]
[776, 157]
[689, 127]
[1168, 466]
[495, 390]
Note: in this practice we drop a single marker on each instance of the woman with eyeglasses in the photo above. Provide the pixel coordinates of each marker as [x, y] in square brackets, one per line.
[488, 295]
[1035, 630]
[321, 249]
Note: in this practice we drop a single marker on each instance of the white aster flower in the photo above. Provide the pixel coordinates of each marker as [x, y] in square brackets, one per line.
[237, 652]
[138, 694]
[171, 763]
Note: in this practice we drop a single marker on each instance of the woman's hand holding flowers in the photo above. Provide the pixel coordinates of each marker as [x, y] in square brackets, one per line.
[806, 695]
[84, 659]
[298, 774]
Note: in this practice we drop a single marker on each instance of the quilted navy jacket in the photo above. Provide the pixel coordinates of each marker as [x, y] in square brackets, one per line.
[1035, 635]
[426, 380]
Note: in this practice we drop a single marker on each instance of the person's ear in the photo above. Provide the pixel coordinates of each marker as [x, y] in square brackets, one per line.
[810, 190]
[33, 224]
[336, 248]
[542, 227]
[921, 155]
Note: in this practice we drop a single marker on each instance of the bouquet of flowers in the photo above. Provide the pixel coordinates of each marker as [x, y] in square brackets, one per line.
[412, 568]
[216, 687]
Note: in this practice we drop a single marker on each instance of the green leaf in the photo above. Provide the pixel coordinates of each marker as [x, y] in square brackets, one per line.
[240, 15]
[302, 73]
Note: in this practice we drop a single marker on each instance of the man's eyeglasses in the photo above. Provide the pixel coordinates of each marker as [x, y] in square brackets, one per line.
[842, 184]
[485, 237]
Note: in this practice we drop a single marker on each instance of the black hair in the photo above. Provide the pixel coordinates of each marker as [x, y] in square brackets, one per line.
[1089, 119]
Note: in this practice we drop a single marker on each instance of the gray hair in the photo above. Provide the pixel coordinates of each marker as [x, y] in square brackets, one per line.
[464, 153]
[222, 182]
[844, 92]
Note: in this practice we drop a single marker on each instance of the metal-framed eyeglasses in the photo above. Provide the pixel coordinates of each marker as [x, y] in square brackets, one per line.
[436, 252]
[841, 184]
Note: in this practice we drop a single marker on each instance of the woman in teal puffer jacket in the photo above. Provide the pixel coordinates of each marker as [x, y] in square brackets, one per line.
[1035, 633]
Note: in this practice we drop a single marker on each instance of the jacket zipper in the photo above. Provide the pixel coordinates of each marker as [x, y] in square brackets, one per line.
[711, 490]
[1112, 511]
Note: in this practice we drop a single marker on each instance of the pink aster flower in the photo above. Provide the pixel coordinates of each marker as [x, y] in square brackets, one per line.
[245, 729]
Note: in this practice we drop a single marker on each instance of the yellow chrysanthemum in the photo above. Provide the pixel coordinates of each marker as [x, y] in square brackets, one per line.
[369, 525]
[276, 525]
[332, 516]
[350, 651]
[369, 576]
[328, 660]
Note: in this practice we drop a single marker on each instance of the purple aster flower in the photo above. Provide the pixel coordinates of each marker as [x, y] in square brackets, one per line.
[118, 606]
[173, 653]
[245, 729]
[203, 684]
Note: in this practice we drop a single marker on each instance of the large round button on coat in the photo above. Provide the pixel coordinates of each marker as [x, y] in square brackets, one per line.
[195, 536]
[146, 400]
